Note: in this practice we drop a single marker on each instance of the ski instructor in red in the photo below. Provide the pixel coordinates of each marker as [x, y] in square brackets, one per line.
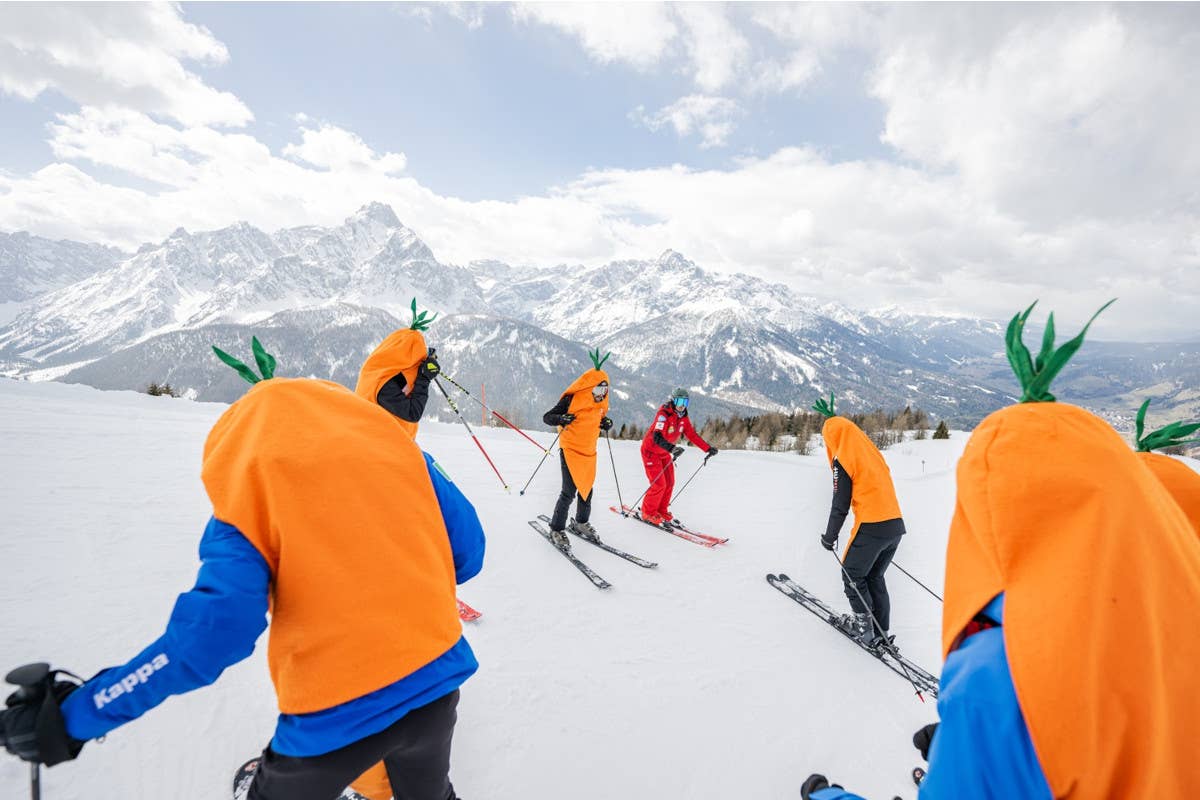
[659, 452]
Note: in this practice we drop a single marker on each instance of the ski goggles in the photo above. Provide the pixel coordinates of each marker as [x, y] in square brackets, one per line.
[600, 391]
[681, 402]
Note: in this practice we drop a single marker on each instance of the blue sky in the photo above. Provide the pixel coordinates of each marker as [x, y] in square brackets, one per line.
[949, 158]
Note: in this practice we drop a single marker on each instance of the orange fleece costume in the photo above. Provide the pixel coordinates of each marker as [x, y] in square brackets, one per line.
[297, 467]
[874, 498]
[401, 353]
[1180, 481]
[1101, 577]
[578, 440]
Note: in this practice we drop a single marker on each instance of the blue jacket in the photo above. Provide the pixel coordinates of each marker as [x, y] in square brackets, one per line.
[982, 749]
[217, 623]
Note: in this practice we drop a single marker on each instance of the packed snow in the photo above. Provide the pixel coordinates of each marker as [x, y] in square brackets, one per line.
[694, 680]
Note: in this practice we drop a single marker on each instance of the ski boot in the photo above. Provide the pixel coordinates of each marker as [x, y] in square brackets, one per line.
[860, 628]
[559, 539]
[653, 519]
[584, 530]
[243, 779]
[667, 517]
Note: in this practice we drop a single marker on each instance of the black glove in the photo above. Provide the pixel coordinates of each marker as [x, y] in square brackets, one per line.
[676, 452]
[429, 367]
[712, 451]
[565, 419]
[829, 544]
[606, 424]
[32, 726]
[815, 783]
[923, 738]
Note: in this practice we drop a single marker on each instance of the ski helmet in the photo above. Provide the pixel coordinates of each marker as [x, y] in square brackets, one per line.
[679, 398]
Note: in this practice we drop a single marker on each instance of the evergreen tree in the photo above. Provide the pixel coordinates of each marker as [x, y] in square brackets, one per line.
[942, 431]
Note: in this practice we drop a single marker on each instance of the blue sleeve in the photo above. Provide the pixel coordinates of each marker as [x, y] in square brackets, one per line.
[982, 749]
[834, 793]
[462, 523]
[212, 627]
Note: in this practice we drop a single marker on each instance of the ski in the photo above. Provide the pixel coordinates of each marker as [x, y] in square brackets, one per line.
[466, 613]
[702, 539]
[608, 548]
[596, 580]
[245, 775]
[893, 661]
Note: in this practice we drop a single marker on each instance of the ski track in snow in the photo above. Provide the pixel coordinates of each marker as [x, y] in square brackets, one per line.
[692, 680]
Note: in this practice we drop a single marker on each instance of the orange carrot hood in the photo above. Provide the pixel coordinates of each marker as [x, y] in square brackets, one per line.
[401, 353]
[1101, 576]
[578, 440]
[1181, 482]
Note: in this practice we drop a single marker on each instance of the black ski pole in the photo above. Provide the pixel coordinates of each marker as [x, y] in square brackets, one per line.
[917, 582]
[467, 425]
[33, 681]
[35, 781]
[612, 461]
[539, 466]
[875, 622]
[703, 464]
[635, 506]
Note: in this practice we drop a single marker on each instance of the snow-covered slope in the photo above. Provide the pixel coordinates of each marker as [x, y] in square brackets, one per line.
[695, 680]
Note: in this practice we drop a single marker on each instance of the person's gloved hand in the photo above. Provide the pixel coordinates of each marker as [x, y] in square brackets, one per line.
[712, 451]
[606, 424]
[565, 419]
[815, 783]
[676, 452]
[429, 367]
[32, 727]
[923, 739]
[829, 544]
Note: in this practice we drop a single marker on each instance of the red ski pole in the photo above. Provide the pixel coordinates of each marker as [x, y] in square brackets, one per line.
[494, 413]
[467, 425]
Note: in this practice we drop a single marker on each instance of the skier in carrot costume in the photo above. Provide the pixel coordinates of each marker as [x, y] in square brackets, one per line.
[1070, 660]
[397, 373]
[580, 415]
[862, 481]
[347, 543]
[1180, 481]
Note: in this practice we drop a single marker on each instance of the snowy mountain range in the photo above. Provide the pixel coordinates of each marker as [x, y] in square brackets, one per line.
[322, 298]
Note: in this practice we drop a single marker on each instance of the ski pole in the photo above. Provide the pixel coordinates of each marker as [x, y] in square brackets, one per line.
[703, 464]
[539, 466]
[612, 461]
[875, 621]
[35, 781]
[467, 425]
[494, 413]
[635, 505]
[923, 586]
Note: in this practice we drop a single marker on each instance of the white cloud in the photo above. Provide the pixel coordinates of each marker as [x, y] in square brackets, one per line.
[710, 117]
[716, 49]
[336, 148]
[638, 34]
[125, 54]
[1056, 113]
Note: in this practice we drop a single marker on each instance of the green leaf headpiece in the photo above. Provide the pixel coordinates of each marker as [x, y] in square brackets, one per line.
[422, 321]
[823, 408]
[1036, 375]
[265, 361]
[597, 361]
[1167, 436]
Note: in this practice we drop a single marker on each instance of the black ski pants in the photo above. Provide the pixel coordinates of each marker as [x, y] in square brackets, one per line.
[583, 509]
[869, 557]
[415, 750]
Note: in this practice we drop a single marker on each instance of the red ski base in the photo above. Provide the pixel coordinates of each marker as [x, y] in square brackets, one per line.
[466, 613]
[702, 539]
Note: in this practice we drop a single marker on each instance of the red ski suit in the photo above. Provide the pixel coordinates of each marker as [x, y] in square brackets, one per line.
[668, 425]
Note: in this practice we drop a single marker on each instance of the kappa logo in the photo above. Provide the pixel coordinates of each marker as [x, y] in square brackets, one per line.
[131, 681]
